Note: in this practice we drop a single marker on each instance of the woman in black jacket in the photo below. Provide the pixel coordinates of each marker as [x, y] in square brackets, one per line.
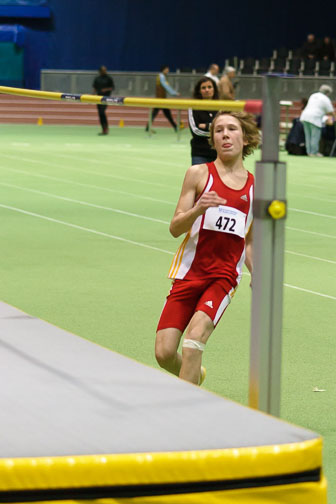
[200, 121]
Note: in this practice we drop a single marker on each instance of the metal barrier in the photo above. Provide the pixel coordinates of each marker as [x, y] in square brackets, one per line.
[143, 84]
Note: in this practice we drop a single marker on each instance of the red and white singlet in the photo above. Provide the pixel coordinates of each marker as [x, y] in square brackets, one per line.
[214, 247]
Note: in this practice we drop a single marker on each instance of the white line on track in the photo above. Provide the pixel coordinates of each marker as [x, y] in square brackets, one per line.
[82, 170]
[116, 210]
[319, 188]
[312, 213]
[309, 291]
[20, 144]
[134, 195]
[85, 203]
[325, 200]
[122, 154]
[310, 257]
[139, 244]
[310, 232]
[81, 228]
[110, 175]
[82, 184]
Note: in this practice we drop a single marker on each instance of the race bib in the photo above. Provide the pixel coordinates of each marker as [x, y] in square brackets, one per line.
[225, 219]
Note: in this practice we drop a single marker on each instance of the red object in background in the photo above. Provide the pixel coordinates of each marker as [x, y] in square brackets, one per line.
[253, 106]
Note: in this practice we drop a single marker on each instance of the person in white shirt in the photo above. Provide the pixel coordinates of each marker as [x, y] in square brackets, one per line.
[213, 72]
[319, 104]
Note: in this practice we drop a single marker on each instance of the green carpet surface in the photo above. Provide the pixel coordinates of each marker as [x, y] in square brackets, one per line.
[86, 246]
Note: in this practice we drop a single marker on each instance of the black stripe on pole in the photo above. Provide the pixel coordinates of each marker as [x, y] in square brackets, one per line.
[118, 100]
[70, 97]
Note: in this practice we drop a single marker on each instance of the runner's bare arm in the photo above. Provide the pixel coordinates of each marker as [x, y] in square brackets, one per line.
[186, 211]
[248, 250]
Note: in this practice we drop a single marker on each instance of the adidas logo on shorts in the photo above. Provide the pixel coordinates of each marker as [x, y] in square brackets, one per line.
[244, 197]
[209, 303]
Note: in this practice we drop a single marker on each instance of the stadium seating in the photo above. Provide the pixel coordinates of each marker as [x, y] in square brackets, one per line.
[309, 67]
[294, 66]
[326, 68]
[279, 64]
[247, 66]
[264, 65]
[285, 60]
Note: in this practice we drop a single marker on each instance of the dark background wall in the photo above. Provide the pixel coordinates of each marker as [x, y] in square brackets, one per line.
[142, 34]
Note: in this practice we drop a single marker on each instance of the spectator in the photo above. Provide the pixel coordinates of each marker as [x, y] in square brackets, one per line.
[213, 73]
[310, 48]
[200, 122]
[295, 142]
[225, 87]
[328, 136]
[318, 105]
[103, 85]
[162, 88]
[327, 50]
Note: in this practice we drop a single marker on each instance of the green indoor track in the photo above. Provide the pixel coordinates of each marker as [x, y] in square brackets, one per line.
[85, 246]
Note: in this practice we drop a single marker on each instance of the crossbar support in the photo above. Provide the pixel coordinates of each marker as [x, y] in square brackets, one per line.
[268, 262]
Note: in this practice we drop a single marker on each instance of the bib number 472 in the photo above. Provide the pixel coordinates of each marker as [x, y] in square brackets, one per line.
[226, 224]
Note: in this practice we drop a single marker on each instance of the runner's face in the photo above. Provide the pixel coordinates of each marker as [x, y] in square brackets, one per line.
[207, 90]
[228, 137]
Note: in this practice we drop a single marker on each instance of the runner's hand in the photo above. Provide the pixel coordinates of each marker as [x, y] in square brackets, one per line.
[210, 199]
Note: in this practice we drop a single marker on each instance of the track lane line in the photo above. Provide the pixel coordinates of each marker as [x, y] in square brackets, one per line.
[86, 203]
[131, 214]
[82, 170]
[127, 179]
[82, 184]
[139, 244]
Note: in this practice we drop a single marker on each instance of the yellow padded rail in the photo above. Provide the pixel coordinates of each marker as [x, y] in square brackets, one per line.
[228, 105]
[181, 104]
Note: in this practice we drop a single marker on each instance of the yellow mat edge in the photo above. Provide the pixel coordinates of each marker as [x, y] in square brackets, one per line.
[158, 468]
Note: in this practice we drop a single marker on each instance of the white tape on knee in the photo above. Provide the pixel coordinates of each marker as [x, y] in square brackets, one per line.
[196, 345]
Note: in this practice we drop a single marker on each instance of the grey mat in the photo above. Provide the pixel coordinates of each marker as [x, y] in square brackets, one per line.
[62, 395]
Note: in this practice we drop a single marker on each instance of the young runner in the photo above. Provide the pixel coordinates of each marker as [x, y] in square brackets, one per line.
[215, 210]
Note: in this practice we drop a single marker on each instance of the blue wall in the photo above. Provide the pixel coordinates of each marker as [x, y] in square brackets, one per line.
[143, 34]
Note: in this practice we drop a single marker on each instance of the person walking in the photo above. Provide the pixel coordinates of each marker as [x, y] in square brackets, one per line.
[103, 85]
[161, 89]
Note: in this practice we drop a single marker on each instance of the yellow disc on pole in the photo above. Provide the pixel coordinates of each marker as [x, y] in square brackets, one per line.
[277, 209]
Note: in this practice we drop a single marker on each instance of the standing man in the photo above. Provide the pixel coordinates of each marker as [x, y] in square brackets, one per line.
[215, 210]
[213, 73]
[103, 85]
[162, 88]
[319, 104]
[225, 86]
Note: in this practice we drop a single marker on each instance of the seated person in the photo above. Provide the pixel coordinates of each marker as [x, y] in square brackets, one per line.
[295, 142]
[328, 136]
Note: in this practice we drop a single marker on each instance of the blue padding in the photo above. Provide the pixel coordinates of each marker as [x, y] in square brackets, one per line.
[26, 10]
[12, 83]
[23, 2]
[13, 33]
